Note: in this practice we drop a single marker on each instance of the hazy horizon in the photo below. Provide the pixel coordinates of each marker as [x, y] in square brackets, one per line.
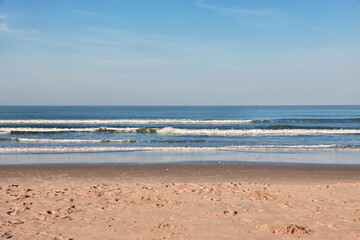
[179, 105]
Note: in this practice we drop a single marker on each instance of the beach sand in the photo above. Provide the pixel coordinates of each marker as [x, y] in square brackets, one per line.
[180, 201]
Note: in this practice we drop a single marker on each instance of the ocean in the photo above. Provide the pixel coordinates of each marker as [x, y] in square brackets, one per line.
[147, 134]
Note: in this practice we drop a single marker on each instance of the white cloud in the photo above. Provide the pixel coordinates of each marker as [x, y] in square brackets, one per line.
[240, 11]
[3, 17]
[4, 28]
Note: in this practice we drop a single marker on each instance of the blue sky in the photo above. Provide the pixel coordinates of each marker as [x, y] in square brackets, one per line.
[179, 52]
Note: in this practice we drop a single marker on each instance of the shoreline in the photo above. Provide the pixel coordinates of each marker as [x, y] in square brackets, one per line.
[143, 157]
[197, 172]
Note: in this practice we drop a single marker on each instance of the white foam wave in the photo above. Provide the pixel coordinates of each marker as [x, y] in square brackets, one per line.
[6, 130]
[183, 149]
[180, 131]
[125, 121]
[72, 140]
[290, 132]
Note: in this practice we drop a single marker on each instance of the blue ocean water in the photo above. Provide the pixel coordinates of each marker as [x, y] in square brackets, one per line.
[180, 129]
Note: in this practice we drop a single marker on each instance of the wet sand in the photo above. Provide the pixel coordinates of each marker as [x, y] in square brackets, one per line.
[180, 201]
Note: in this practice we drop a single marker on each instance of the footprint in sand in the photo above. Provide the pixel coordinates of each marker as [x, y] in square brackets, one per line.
[287, 229]
[225, 213]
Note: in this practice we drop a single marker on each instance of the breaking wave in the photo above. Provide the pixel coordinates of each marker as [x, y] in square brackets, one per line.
[69, 140]
[124, 121]
[184, 131]
[236, 132]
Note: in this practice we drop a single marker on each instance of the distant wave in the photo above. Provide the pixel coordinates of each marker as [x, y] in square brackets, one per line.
[307, 120]
[125, 121]
[322, 120]
[183, 149]
[183, 131]
[22, 130]
[174, 121]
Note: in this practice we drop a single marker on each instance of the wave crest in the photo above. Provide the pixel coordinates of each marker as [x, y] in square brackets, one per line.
[184, 131]
[125, 121]
[69, 140]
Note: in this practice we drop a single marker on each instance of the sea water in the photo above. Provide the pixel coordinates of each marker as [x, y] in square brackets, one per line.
[148, 134]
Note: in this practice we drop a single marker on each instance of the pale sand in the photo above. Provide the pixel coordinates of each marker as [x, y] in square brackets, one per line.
[180, 201]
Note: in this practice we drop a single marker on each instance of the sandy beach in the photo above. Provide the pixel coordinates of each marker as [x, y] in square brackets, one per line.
[180, 201]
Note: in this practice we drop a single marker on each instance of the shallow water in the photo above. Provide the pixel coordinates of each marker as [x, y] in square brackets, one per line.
[141, 157]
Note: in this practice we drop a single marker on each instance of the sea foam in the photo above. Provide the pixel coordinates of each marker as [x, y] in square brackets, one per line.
[184, 149]
[184, 131]
[125, 121]
[70, 140]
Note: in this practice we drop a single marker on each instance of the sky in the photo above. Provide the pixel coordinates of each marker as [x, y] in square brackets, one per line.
[179, 52]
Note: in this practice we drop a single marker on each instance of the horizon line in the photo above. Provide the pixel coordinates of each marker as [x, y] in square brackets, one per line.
[176, 105]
